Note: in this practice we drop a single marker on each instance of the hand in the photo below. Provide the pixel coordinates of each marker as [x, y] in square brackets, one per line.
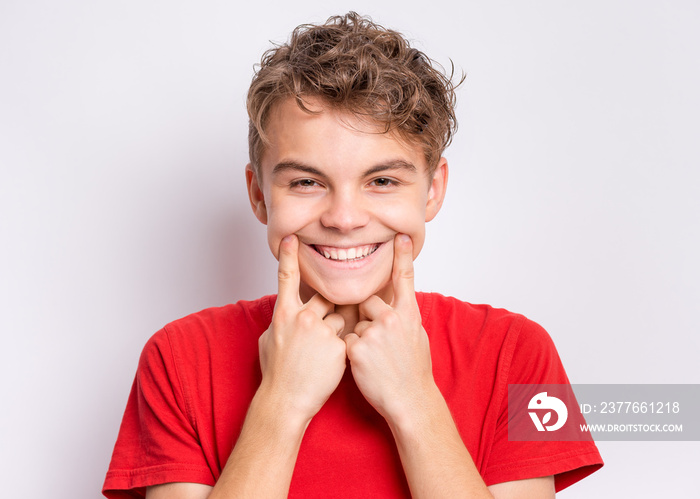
[301, 356]
[389, 350]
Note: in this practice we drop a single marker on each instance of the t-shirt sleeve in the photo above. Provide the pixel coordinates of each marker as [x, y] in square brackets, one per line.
[534, 360]
[157, 440]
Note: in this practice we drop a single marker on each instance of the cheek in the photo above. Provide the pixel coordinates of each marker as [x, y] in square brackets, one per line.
[407, 220]
[418, 240]
[284, 219]
[273, 241]
[277, 229]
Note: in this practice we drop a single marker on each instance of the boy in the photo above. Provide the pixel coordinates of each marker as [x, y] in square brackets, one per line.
[348, 383]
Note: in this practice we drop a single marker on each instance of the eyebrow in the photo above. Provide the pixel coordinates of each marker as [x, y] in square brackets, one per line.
[283, 166]
[396, 164]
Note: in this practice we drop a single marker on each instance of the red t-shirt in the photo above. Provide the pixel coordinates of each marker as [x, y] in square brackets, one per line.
[197, 376]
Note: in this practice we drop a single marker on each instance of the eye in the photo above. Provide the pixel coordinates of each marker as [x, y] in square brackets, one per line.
[383, 182]
[304, 183]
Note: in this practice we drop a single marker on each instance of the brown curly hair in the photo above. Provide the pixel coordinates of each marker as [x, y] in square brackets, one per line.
[355, 65]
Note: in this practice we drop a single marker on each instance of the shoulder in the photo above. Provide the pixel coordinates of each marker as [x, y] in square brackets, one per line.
[453, 313]
[478, 352]
[214, 329]
[255, 313]
[431, 303]
[494, 338]
[244, 314]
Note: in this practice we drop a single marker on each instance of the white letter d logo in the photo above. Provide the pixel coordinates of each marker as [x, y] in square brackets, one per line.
[542, 401]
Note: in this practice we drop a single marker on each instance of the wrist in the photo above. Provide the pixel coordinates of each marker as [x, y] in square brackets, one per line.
[278, 411]
[423, 409]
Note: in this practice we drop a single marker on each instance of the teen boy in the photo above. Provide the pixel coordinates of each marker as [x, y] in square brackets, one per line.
[347, 383]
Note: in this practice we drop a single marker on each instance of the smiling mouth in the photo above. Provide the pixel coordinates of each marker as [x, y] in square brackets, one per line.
[346, 254]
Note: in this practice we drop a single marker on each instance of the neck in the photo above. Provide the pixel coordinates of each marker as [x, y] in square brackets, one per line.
[351, 315]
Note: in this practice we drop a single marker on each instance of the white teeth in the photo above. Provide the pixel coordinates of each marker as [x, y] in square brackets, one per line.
[345, 254]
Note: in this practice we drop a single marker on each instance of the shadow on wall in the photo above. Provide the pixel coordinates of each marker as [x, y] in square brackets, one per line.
[188, 241]
[202, 246]
[243, 266]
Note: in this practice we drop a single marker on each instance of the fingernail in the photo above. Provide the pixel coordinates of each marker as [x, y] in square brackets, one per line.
[404, 238]
[288, 238]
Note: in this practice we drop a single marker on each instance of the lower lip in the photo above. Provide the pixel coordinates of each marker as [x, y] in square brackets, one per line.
[347, 264]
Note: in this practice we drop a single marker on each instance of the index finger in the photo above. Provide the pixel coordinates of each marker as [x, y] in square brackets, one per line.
[288, 279]
[402, 273]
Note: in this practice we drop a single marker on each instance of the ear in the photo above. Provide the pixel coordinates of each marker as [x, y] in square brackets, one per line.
[436, 192]
[255, 194]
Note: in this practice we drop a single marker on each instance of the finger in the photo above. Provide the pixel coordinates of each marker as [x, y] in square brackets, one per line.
[372, 307]
[350, 340]
[288, 272]
[319, 305]
[402, 274]
[335, 322]
[361, 327]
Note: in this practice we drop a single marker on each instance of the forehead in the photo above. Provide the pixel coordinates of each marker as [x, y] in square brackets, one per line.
[327, 136]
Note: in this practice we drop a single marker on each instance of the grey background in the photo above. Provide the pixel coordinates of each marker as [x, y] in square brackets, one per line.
[573, 199]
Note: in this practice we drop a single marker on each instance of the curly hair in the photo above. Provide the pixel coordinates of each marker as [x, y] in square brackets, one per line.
[355, 65]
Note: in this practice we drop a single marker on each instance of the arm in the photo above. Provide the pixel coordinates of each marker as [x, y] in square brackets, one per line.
[302, 361]
[261, 462]
[541, 487]
[437, 464]
[263, 459]
[390, 358]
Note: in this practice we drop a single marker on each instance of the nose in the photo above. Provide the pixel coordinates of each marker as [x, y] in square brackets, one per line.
[344, 211]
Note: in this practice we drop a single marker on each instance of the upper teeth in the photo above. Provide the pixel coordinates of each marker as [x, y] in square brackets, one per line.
[346, 253]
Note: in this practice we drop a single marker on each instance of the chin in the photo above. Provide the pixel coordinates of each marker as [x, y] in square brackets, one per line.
[340, 296]
[346, 300]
